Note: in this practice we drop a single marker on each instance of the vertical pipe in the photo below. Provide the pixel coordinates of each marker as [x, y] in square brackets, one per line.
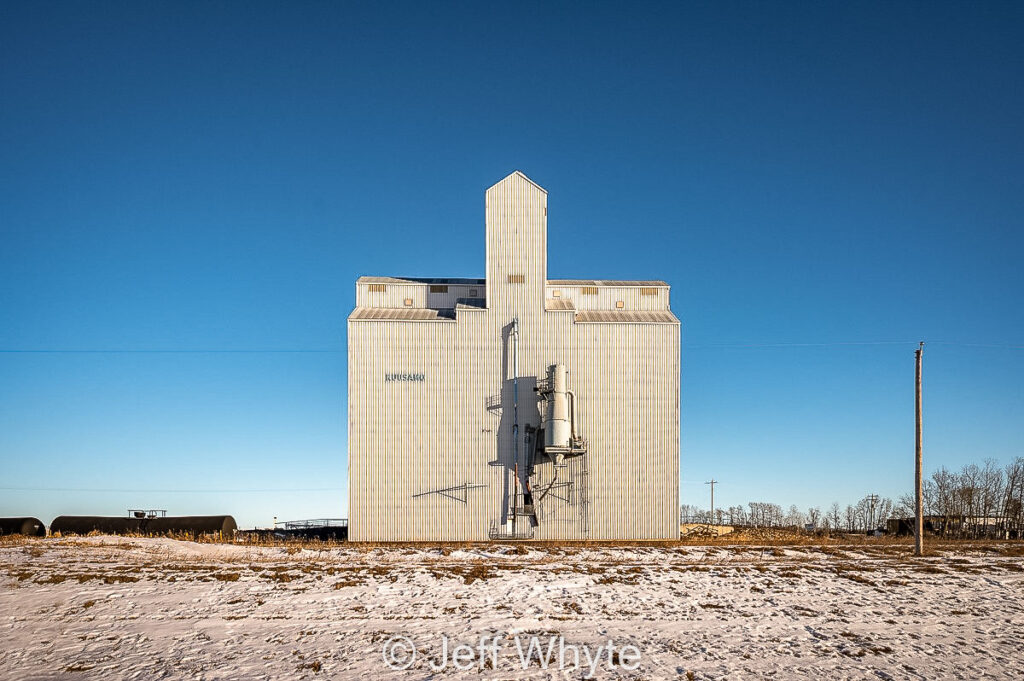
[918, 488]
[515, 420]
[572, 414]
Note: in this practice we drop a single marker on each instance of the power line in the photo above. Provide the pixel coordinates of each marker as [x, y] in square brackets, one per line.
[1006, 346]
[166, 352]
[1009, 346]
[172, 491]
[271, 351]
[793, 345]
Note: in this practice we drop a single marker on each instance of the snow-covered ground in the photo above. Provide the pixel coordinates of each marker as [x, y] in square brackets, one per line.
[117, 608]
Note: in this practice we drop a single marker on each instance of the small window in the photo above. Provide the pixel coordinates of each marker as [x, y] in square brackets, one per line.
[648, 291]
[556, 293]
[376, 288]
[589, 290]
[435, 288]
[619, 304]
[517, 278]
[473, 293]
[408, 302]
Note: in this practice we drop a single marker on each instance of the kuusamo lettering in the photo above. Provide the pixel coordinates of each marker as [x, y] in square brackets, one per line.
[404, 377]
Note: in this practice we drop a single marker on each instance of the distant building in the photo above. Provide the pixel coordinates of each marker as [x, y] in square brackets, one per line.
[958, 526]
[513, 406]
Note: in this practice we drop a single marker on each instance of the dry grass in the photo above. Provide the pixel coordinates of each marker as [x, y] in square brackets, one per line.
[78, 667]
[51, 579]
[856, 577]
[126, 559]
[227, 576]
[741, 539]
[17, 540]
[929, 569]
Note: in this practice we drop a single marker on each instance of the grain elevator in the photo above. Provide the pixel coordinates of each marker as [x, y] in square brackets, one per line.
[513, 406]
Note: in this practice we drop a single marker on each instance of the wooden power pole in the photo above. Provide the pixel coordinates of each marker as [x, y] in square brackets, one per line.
[918, 489]
[712, 482]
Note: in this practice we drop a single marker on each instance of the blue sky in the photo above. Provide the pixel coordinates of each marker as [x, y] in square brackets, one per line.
[187, 177]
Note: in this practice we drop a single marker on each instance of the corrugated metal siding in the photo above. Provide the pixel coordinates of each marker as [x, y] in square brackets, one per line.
[451, 297]
[454, 428]
[471, 304]
[606, 297]
[626, 317]
[395, 294]
[553, 304]
[407, 314]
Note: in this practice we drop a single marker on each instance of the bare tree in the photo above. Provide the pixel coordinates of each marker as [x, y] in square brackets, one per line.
[943, 486]
[905, 506]
[883, 511]
[835, 519]
[851, 518]
[1013, 495]
[977, 500]
[992, 483]
[689, 513]
[814, 516]
[737, 515]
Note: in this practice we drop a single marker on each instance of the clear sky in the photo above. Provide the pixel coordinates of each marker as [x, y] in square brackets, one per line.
[179, 178]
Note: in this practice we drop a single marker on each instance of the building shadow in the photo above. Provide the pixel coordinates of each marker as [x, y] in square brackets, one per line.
[528, 414]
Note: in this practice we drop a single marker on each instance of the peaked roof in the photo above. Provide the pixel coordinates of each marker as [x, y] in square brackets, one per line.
[519, 173]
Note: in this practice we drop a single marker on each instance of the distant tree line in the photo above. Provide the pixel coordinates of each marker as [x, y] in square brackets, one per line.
[978, 500]
[982, 499]
[867, 514]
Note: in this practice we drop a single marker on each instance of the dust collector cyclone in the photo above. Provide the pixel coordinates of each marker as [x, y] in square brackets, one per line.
[559, 424]
[557, 429]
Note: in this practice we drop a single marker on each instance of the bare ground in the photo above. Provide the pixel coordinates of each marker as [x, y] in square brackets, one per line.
[138, 608]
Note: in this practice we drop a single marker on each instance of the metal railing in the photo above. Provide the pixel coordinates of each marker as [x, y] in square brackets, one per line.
[315, 523]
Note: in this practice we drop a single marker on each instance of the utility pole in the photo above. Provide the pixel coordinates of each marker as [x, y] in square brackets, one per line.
[918, 490]
[712, 482]
[872, 500]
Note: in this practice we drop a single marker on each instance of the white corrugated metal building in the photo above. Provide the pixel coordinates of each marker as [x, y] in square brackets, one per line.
[513, 406]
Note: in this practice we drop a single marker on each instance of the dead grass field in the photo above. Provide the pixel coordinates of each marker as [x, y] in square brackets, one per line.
[129, 608]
